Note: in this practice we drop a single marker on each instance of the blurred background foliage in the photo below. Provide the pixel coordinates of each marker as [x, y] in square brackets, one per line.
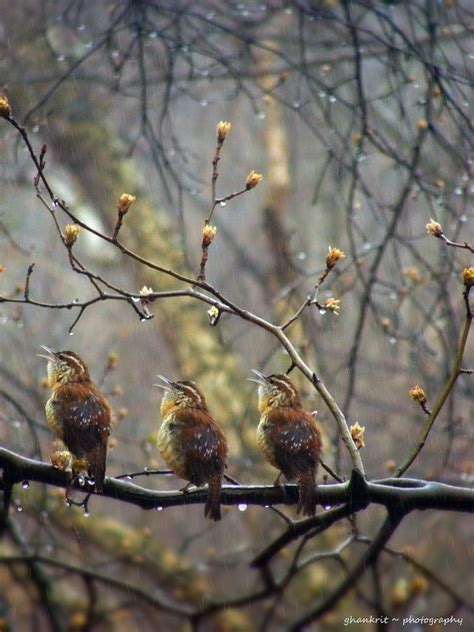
[358, 115]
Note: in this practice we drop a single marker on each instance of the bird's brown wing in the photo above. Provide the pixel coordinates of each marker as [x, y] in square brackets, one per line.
[204, 446]
[86, 418]
[296, 444]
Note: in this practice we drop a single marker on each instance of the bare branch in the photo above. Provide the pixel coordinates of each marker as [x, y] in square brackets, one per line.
[406, 494]
[444, 394]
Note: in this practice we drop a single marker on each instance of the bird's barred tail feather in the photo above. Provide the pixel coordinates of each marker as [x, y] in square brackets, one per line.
[307, 491]
[212, 508]
[97, 460]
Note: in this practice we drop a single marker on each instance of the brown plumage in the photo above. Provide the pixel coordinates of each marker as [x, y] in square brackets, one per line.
[78, 413]
[288, 436]
[190, 441]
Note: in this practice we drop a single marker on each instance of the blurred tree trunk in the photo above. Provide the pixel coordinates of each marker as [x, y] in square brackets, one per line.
[277, 222]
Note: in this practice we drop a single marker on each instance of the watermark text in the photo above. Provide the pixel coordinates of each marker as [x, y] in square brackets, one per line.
[411, 620]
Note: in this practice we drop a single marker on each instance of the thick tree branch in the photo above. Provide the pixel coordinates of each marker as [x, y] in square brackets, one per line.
[403, 494]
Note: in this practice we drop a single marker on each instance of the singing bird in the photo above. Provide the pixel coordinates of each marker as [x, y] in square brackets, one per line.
[78, 413]
[288, 436]
[191, 442]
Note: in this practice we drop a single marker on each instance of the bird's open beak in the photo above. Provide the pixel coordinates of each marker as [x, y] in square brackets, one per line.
[167, 383]
[51, 354]
[261, 378]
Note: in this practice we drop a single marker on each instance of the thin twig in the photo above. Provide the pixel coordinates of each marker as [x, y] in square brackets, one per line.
[455, 244]
[159, 602]
[444, 394]
[26, 292]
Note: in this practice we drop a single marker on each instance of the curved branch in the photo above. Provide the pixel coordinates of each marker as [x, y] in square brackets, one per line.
[444, 394]
[366, 561]
[403, 494]
[161, 603]
[235, 309]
